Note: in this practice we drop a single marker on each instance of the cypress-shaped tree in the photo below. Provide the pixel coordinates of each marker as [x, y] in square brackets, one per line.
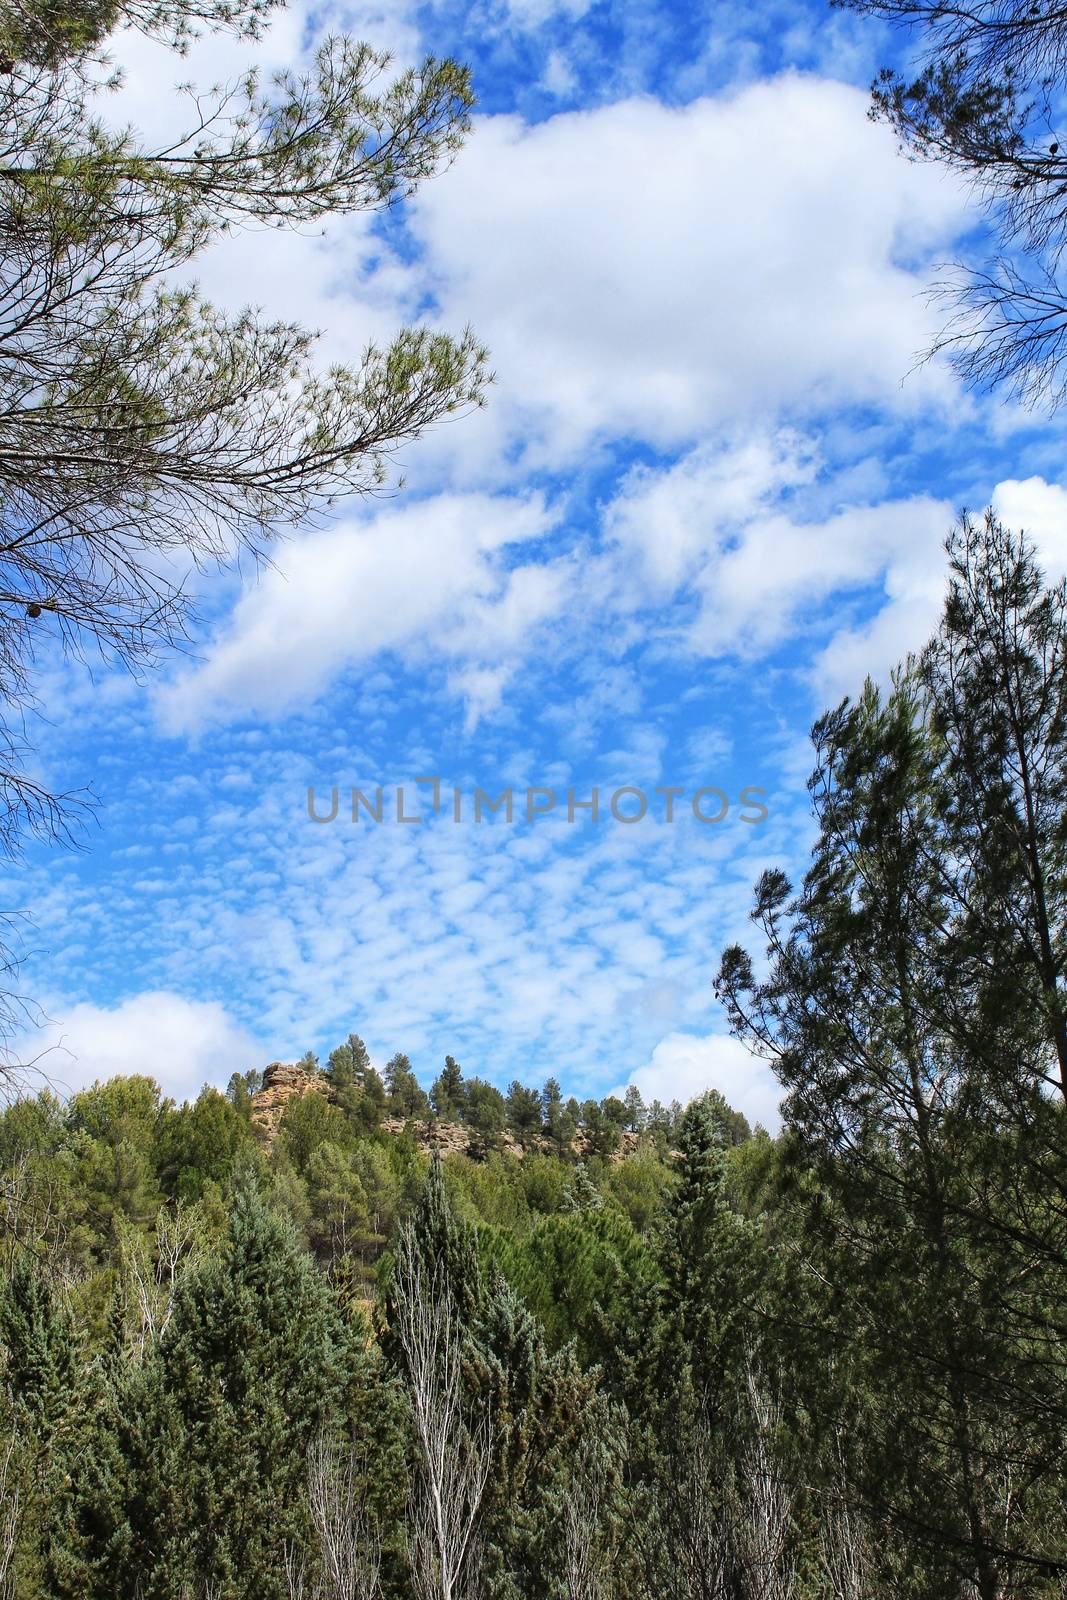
[252, 1364]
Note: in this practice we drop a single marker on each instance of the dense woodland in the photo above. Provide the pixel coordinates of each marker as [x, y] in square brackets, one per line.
[640, 1352]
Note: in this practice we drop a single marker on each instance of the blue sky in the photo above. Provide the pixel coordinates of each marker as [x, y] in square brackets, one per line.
[707, 496]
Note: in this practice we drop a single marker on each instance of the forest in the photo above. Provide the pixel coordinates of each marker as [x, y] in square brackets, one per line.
[608, 1350]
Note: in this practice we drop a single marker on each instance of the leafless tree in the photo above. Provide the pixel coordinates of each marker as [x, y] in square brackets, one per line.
[10, 1517]
[846, 1559]
[150, 1277]
[586, 1556]
[682, 1540]
[583, 1573]
[763, 1526]
[455, 1445]
[298, 1582]
[349, 1546]
[986, 101]
[31, 1217]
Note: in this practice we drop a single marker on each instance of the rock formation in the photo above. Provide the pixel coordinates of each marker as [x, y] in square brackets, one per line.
[281, 1084]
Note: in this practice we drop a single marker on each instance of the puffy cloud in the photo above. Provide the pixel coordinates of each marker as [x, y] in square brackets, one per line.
[181, 1043]
[672, 522]
[649, 270]
[684, 1065]
[1039, 509]
[429, 577]
[714, 524]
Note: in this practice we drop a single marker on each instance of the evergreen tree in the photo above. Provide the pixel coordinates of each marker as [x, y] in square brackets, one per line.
[240, 1089]
[407, 1098]
[253, 1362]
[914, 1007]
[560, 1122]
[545, 1409]
[523, 1112]
[635, 1109]
[485, 1114]
[447, 1094]
[348, 1064]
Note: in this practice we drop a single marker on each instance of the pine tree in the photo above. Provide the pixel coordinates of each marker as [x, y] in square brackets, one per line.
[447, 1094]
[914, 1007]
[407, 1098]
[348, 1064]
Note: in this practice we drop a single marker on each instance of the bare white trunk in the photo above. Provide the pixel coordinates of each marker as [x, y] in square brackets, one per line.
[455, 1448]
[10, 1518]
[761, 1535]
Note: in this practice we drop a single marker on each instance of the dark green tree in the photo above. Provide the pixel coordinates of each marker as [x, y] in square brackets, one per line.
[560, 1122]
[240, 1089]
[914, 1010]
[348, 1064]
[199, 1144]
[485, 1114]
[407, 1098]
[253, 1362]
[523, 1109]
[635, 1109]
[447, 1094]
[601, 1131]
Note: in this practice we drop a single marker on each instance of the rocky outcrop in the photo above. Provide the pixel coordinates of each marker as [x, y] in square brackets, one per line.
[454, 1138]
[281, 1084]
[450, 1138]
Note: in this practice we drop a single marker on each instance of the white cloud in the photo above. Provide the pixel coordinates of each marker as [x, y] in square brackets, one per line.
[684, 1065]
[1040, 509]
[915, 579]
[672, 521]
[712, 524]
[181, 1043]
[559, 77]
[651, 270]
[429, 577]
[756, 590]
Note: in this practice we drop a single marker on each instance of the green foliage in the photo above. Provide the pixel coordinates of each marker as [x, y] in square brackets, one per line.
[146, 429]
[201, 1144]
[695, 1363]
[349, 1064]
[240, 1089]
[252, 1363]
[575, 1270]
[407, 1098]
[485, 1113]
[308, 1122]
[523, 1111]
[448, 1093]
[915, 1006]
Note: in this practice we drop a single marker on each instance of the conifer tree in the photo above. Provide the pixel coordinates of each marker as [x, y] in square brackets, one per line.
[447, 1094]
[253, 1362]
[914, 1008]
